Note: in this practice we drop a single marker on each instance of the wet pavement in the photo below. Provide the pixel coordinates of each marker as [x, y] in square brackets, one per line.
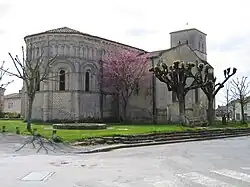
[223, 162]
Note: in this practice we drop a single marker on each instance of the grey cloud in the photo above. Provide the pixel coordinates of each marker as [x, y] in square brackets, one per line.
[140, 32]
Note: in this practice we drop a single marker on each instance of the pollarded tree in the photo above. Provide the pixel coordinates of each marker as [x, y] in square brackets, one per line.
[123, 71]
[176, 78]
[240, 92]
[32, 71]
[205, 77]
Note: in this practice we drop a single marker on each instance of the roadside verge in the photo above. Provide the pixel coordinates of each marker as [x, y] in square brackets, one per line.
[129, 141]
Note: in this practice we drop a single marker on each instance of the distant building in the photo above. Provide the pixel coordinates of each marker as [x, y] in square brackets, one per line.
[12, 103]
[237, 113]
[234, 110]
[2, 90]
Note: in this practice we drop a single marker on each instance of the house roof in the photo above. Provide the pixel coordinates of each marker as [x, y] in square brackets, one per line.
[13, 95]
[66, 30]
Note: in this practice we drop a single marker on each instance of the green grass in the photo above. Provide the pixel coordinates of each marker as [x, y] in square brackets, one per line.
[115, 129]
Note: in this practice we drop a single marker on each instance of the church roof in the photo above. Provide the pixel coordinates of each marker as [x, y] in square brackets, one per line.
[160, 52]
[66, 30]
[63, 30]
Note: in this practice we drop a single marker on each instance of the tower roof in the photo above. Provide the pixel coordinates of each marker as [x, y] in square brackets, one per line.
[186, 30]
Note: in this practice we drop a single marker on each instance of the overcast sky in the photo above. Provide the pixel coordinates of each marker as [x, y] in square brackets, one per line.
[141, 23]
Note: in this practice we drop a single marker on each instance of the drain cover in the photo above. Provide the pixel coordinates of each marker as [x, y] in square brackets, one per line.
[37, 176]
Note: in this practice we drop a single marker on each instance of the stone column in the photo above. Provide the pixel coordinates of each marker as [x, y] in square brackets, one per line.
[77, 95]
[45, 101]
[25, 105]
[25, 102]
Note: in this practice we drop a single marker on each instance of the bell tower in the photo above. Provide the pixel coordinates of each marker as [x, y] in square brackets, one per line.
[192, 37]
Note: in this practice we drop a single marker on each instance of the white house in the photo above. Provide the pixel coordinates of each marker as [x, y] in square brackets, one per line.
[12, 103]
[237, 114]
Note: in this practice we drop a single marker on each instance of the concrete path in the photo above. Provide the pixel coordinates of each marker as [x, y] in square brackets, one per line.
[215, 163]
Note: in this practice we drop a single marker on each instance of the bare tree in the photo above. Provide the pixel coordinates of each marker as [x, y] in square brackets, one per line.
[240, 92]
[2, 75]
[205, 75]
[229, 100]
[3, 85]
[32, 71]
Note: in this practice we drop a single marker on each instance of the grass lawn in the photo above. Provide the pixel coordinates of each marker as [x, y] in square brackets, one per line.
[114, 129]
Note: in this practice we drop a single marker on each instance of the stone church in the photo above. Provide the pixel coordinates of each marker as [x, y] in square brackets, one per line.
[76, 96]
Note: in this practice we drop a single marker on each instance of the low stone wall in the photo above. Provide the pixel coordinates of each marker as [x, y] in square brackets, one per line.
[80, 126]
[155, 137]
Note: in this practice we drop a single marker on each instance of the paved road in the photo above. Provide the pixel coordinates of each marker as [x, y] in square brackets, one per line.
[208, 163]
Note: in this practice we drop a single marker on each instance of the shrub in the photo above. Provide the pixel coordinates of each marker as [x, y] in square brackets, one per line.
[12, 115]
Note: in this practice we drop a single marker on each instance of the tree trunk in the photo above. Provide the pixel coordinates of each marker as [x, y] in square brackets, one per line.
[30, 103]
[242, 113]
[233, 114]
[125, 111]
[182, 109]
[125, 99]
[210, 112]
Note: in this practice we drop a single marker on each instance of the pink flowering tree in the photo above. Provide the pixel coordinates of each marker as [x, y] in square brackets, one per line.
[123, 72]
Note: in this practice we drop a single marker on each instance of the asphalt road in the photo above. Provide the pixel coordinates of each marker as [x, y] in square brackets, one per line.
[224, 162]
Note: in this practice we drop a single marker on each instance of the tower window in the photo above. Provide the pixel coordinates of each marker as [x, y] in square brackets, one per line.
[179, 43]
[62, 80]
[187, 41]
[87, 81]
[37, 82]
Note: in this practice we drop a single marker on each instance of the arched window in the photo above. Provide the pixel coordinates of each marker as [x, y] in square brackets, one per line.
[87, 79]
[196, 95]
[62, 80]
[37, 81]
